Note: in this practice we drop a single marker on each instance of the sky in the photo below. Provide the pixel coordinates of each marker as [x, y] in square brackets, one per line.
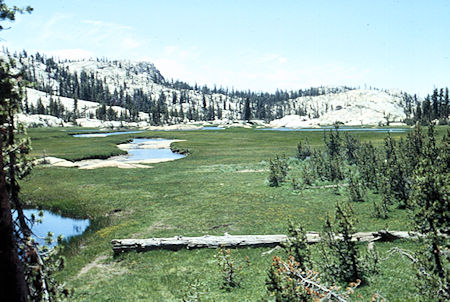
[258, 45]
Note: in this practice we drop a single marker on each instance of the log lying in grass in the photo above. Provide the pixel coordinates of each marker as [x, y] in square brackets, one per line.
[237, 241]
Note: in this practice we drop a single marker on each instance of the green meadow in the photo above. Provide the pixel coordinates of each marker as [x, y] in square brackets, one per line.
[219, 187]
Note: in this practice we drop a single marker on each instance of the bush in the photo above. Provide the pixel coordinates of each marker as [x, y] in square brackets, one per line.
[303, 151]
[278, 171]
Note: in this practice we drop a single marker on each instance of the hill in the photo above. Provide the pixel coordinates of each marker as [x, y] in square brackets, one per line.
[136, 92]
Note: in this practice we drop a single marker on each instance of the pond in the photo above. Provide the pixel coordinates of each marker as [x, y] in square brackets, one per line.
[383, 130]
[212, 128]
[57, 224]
[105, 134]
[147, 148]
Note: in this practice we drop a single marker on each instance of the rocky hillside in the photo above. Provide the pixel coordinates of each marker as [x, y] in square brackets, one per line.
[125, 91]
[355, 107]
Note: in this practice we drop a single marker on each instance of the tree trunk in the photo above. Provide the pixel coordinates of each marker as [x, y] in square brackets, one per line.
[13, 186]
[237, 241]
[12, 279]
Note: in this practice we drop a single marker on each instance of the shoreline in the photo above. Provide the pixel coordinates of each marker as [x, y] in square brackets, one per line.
[119, 161]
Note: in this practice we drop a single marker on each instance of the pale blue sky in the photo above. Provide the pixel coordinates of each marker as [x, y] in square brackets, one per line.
[257, 45]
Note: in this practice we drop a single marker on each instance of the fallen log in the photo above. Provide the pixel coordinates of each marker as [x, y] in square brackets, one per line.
[238, 241]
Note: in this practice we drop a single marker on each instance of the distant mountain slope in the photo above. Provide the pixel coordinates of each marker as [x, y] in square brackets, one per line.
[137, 92]
[355, 107]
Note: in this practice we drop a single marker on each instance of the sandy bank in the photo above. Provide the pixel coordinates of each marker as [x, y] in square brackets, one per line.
[120, 161]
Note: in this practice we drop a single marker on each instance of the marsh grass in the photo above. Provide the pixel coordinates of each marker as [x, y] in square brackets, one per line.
[204, 193]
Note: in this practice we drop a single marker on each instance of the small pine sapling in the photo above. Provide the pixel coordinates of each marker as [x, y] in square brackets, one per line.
[303, 150]
[227, 269]
[278, 171]
[307, 174]
[340, 255]
[356, 190]
[297, 246]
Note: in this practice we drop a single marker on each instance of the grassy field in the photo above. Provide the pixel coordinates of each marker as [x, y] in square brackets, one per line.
[220, 187]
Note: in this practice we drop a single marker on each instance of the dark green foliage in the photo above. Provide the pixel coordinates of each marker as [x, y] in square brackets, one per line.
[430, 201]
[247, 110]
[340, 256]
[318, 164]
[278, 171]
[351, 148]
[356, 189]
[399, 182]
[227, 269]
[307, 173]
[434, 107]
[297, 246]
[335, 170]
[303, 150]
[333, 142]
[328, 165]
[8, 13]
[412, 149]
[368, 164]
[40, 107]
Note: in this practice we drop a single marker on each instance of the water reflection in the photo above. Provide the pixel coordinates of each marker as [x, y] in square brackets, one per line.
[58, 225]
[141, 151]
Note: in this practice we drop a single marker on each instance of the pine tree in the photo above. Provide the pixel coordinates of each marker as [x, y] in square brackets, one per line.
[368, 166]
[356, 190]
[297, 246]
[351, 146]
[427, 111]
[247, 111]
[75, 109]
[303, 151]
[333, 143]
[430, 198]
[418, 115]
[445, 106]
[278, 171]
[340, 256]
[12, 278]
[40, 109]
[435, 105]
[399, 184]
